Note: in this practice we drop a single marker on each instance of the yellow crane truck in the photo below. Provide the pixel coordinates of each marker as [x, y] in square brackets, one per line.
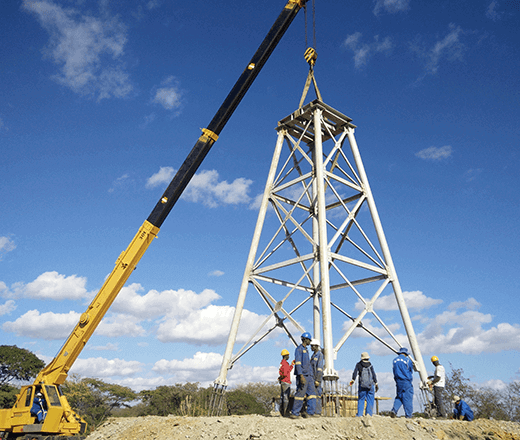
[61, 421]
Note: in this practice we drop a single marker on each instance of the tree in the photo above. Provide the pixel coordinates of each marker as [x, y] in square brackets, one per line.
[95, 400]
[18, 364]
[262, 392]
[162, 401]
[457, 385]
[487, 403]
[241, 403]
[7, 396]
[512, 403]
[179, 399]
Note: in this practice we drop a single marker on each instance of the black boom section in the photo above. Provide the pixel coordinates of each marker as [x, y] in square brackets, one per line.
[210, 135]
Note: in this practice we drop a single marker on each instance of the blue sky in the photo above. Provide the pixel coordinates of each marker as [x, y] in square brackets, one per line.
[100, 102]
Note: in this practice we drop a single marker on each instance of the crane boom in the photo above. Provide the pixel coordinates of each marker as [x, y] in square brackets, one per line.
[18, 419]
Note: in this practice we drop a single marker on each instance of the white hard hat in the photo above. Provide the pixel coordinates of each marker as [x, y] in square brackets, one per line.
[315, 342]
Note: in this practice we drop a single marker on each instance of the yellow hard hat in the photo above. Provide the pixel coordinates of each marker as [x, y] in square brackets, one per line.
[285, 352]
[434, 359]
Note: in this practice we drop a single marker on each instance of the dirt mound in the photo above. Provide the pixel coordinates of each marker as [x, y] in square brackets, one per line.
[322, 428]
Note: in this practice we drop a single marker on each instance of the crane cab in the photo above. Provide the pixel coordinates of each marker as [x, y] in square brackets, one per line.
[58, 418]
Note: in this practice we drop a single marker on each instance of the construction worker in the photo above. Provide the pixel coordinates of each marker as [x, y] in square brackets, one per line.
[367, 384]
[284, 379]
[437, 381]
[304, 380]
[317, 372]
[462, 411]
[39, 407]
[403, 376]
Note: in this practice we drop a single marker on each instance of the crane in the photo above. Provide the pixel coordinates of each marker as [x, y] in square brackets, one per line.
[61, 421]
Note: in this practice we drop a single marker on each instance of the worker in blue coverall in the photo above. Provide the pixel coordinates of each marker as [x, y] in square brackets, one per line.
[39, 407]
[462, 411]
[403, 376]
[317, 372]
[304, 380]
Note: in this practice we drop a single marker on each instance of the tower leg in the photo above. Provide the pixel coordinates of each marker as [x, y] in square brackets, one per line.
[419, 363]
[220, 383]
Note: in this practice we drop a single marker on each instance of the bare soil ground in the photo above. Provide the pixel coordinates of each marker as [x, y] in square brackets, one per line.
[256, 427]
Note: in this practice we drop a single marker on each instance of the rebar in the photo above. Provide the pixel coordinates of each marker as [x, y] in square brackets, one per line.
[217, 400]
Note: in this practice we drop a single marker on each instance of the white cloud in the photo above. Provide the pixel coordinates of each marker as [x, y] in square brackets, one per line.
[101, 367]
[459, 329]
[435, 153]
[202, 367]
[52, 285]
[154, 304]
[199, 361]
[119, 325]
[450, 48]
[205, 367]
[206, 188]
[148, 119]
[256, 202]
[120, 182]
[464, 332]
[49, 325]
[6, 244]
[492, 11]
[494, 384]
[209, 326]
[144, 383]
[162, 177]
[414, 300]
[352, 41]
[391, 6]
[377, 330]
[472, 174]
[469, 304]
[108, 347]
[152, 4]
[87, 49]
[7, 307]
[216, 273]
[168, 96]
[363, 51]
[52, 326]
[241, 374]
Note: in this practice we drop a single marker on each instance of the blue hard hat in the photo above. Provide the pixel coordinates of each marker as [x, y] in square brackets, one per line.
[306, 335]
[403, 350]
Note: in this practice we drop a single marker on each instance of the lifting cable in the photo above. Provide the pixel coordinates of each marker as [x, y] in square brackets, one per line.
[310, 56]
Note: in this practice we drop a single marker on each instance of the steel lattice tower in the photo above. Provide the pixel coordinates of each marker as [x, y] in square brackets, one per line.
[328, 251]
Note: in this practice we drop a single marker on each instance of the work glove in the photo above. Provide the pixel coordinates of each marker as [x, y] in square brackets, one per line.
[316, 383]
[351, 382]
[302, 379]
